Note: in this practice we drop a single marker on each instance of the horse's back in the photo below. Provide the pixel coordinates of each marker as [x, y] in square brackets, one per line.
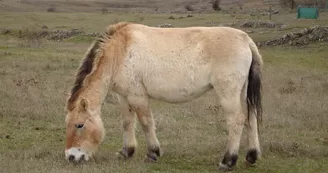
[192, 44]
[177, 64]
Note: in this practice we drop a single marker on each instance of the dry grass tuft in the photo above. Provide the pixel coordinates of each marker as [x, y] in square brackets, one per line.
[32, 37]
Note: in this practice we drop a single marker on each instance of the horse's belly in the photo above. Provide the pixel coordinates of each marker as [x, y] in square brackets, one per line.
[176, 95]
[175, 88]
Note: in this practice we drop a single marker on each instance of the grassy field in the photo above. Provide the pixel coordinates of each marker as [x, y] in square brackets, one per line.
[35, 79]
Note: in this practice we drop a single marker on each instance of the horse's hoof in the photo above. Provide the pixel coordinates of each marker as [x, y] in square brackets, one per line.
[125, 153]
[151, 158]
[120, 155]
[248, 164]
[252, 156]
[224, 167]
[153, 154]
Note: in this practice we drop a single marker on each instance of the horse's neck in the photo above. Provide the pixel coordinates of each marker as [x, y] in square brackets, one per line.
[99, 82]
[95, 92]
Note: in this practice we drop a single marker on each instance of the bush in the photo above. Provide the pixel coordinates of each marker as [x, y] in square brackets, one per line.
[32, 37]
[188, 7]
[104, 10]
[51, 9]
[315, 3]
[216, 5]
[171, 17]
[287, 3]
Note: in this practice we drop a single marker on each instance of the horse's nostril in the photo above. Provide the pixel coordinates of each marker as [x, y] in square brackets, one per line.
[71, 158]
[83, 157]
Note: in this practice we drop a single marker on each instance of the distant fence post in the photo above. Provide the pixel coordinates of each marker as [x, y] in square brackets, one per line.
[270, 12]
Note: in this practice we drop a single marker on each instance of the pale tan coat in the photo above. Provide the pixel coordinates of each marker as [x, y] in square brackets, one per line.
[174, 65]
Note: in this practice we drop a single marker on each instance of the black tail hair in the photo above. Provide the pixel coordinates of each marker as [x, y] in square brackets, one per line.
[254, 90]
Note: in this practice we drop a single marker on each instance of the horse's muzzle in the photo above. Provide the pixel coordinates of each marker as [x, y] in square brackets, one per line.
[76, 155]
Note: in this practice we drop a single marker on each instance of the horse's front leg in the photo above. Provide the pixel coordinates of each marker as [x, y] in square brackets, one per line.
[145, 116]
[129, 139]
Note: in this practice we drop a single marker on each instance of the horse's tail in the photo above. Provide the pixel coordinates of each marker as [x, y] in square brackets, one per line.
[254, 89]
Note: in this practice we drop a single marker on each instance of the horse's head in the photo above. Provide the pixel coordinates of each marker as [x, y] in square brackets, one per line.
[84, 131]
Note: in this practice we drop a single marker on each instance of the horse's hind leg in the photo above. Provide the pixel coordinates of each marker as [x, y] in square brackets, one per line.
[229, 89]
[147, 123]
[129, 139]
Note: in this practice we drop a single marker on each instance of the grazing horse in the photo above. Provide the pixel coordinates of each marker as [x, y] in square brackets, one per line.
[140, 63]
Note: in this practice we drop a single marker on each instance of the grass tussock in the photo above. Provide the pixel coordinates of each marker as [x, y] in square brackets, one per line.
[32, 37]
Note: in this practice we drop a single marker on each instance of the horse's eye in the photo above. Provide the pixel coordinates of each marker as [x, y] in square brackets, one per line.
[79, 126]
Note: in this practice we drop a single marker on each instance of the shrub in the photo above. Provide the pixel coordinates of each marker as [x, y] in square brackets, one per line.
[316, 3]
[171, 17]
[51, 9]
[188, 7]
[104, 10]
[216, 5]
[32, 37]
[287, 3]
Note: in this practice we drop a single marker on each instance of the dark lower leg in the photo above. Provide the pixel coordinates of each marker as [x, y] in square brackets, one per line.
[229, 159]
[235, 127]
[148, 125]
[129, 139]
[253, 151]
[252, 156]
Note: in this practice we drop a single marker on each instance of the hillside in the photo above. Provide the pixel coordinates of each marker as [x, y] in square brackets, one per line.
[126, 5]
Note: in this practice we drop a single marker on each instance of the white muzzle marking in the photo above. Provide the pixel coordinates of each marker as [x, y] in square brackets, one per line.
[76, 155]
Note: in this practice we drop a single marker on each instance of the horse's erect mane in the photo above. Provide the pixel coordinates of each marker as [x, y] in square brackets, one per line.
[90, 62]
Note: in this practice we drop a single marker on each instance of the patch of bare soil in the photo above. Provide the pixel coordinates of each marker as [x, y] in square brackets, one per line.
[304, 37]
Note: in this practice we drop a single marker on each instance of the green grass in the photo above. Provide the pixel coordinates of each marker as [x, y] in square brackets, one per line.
[313, 56]
[35, 82]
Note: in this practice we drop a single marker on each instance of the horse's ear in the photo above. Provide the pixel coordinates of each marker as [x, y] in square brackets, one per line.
[84, 103]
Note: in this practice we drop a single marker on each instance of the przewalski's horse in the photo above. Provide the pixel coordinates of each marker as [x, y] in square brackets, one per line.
[175, 65]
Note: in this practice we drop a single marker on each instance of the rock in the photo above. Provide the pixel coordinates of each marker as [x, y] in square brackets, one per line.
[275, 12]
[5, 31]
[261, 24]
[59, 35]
[165, 25]
[304, 37]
